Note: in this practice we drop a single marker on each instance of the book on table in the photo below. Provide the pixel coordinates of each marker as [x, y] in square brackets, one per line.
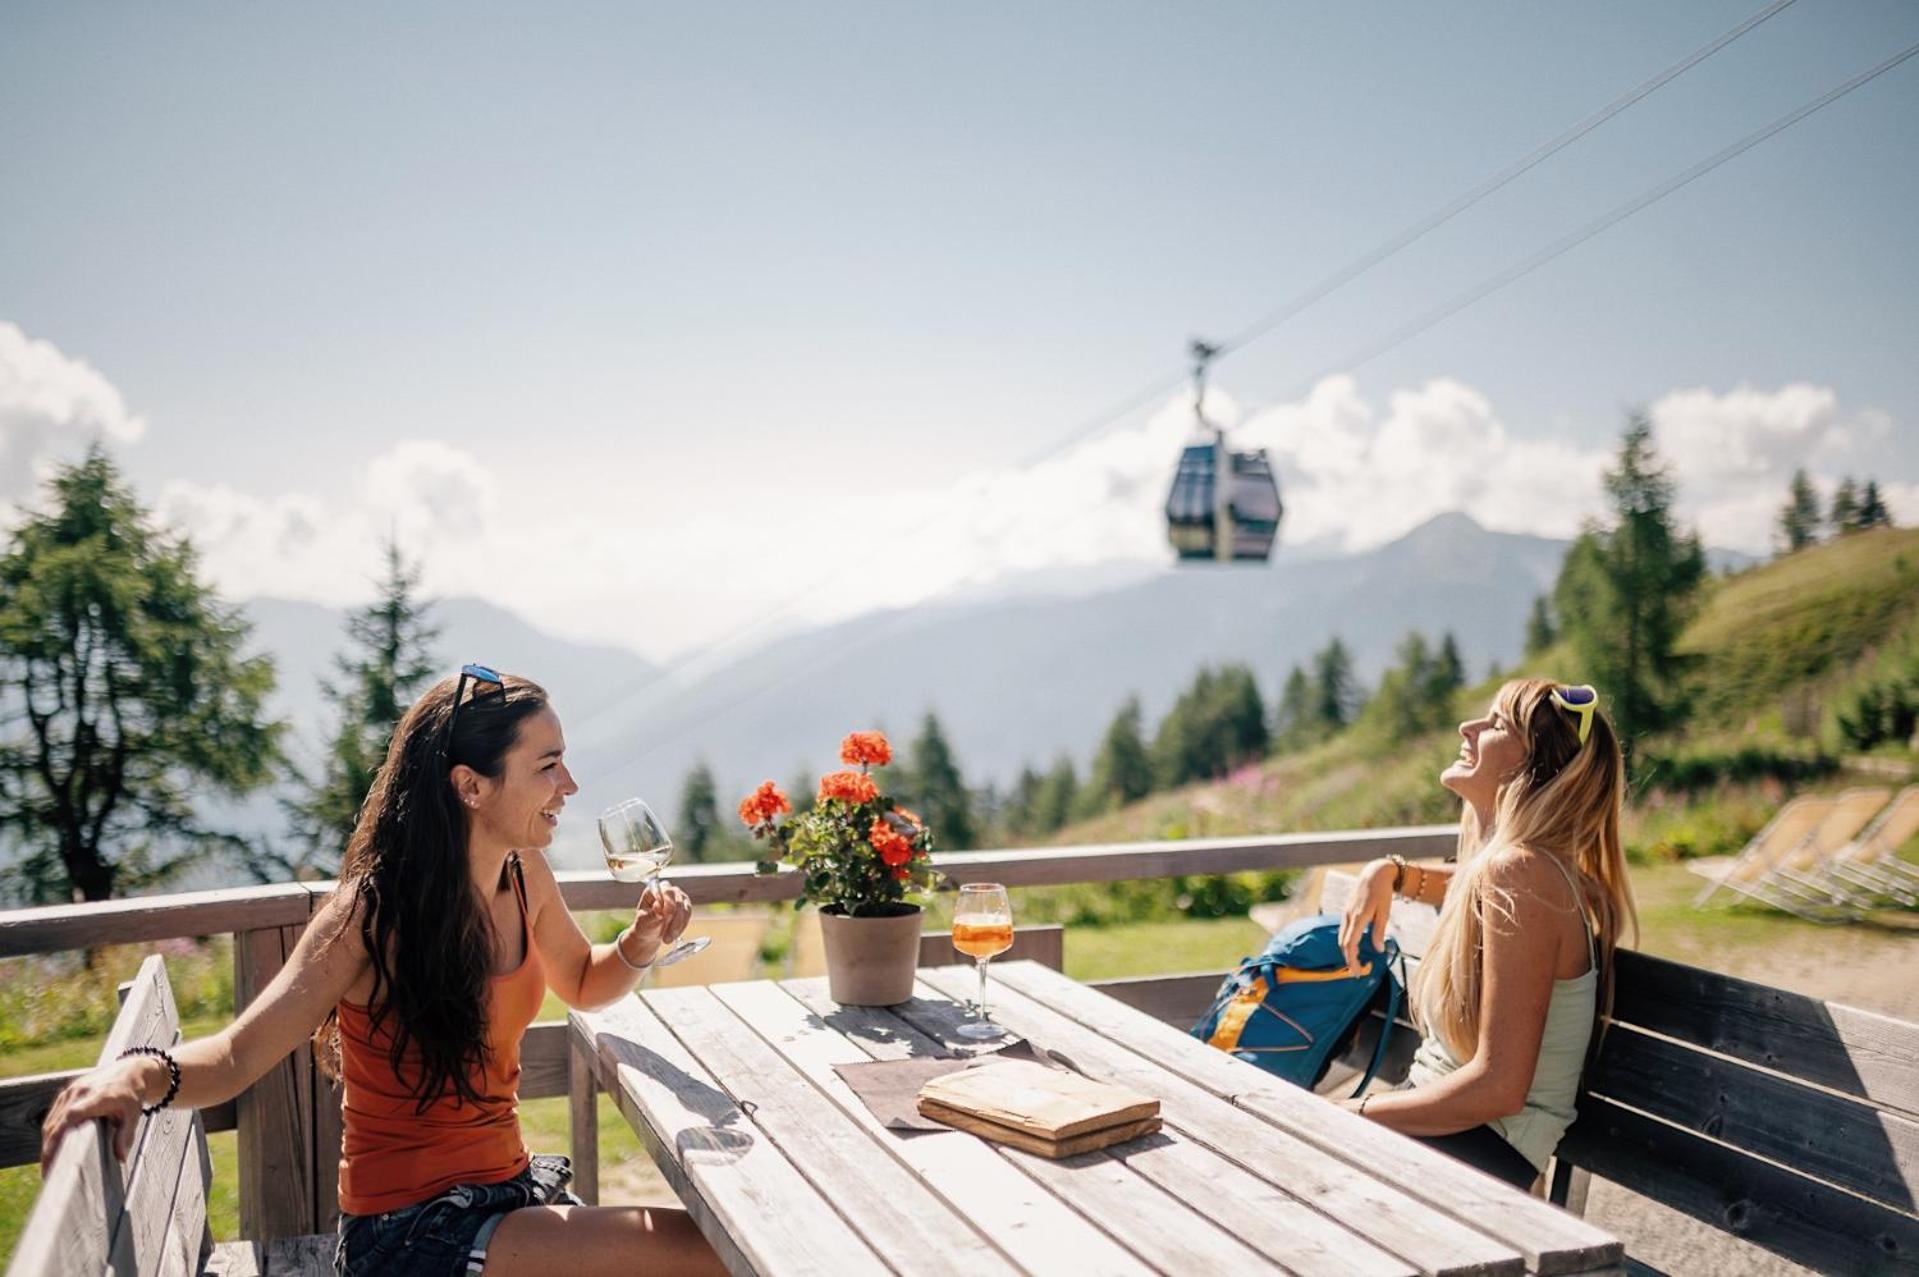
[1042, 1110]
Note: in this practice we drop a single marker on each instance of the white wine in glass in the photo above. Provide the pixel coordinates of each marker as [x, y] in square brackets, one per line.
[982, 928]
[637, 847]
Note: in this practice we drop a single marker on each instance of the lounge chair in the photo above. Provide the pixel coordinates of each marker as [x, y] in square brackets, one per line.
[1786, 830]
[1792, 883]
[1868, 868]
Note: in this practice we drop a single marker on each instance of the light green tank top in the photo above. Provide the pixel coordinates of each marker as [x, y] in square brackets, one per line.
[1536, 1128]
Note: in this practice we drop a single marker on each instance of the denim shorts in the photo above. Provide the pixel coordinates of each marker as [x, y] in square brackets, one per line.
[447, 1235]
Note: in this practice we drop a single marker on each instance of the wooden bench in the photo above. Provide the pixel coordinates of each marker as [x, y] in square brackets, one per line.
[1780, 1119]
[148, 1216]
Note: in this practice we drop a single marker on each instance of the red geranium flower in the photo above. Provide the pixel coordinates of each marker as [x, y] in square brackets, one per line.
[852, 787]
[866, 749]
[763, 804]
[894, 847]
[902, 874]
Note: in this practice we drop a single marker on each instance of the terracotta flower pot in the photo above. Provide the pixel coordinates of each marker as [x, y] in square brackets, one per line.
[870, 961]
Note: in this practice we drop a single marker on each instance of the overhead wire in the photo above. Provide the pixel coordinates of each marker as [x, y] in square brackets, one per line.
[712, 655]
[1399, 335]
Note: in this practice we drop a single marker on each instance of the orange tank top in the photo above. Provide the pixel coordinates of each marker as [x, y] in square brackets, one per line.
[394, 1155]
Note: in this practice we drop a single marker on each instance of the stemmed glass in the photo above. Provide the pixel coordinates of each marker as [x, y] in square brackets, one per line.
[982, 927]
[637, 848]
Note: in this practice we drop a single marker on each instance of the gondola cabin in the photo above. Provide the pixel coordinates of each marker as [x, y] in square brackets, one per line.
[1238, 524]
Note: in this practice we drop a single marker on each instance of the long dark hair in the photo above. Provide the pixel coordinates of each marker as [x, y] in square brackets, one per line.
[406, 876]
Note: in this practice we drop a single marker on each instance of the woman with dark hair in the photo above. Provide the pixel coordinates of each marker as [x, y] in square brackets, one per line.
[416, 980]
[1520, 965]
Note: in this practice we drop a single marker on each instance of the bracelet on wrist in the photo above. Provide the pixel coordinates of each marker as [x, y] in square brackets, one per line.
[1364, 1100]
[1399, 872]
[173, 1075]
[619, 947]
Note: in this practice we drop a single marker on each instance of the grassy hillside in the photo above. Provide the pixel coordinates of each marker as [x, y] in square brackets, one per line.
[1770, 646]
[1775, 641]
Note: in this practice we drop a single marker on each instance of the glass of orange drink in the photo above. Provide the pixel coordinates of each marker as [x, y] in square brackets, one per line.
[982, 927]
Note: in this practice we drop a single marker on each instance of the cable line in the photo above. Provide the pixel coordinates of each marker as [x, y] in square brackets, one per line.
[1398, 336]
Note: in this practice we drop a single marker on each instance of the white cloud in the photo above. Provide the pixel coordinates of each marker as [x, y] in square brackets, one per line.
[52, 407]
[1734, 454]
[600, 560]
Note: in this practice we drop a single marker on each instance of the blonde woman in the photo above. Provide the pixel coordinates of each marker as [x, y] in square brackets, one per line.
[1521, 961]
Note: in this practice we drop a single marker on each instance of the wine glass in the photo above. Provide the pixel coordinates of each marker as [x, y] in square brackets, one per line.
[637, 848]
[982, 927]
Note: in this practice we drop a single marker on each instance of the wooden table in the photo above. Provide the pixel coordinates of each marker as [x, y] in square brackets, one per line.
[732, 1090]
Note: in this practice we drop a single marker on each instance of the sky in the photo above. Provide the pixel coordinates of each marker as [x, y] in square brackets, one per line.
[673, 326]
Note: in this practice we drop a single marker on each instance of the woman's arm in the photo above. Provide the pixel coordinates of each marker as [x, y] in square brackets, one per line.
[1372, 902]
[588, 975]
[1520, 954]
[217, 1068]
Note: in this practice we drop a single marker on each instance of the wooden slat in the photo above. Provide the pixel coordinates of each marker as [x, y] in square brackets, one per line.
[1280, 1227]
[1178, 1000]
[278, 1193]
[1857, 1052]
[236, 1259]
[309, 1256]
[1842, 1141]
[1162, 1231]
[1550, 1240]
[905, 1224]
[71, 1227]
[1045, 945]
[163, 1150]
[1824, 1228]
[55, 928]
[759, 1214]
[1034, 1228]
[24, 1102]
[1049, 866]
[583, 1124]
[544, 1053]
[186, 1217]
[1431, 1240]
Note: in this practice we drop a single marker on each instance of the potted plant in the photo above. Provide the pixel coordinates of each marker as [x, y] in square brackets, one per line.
[865, 861]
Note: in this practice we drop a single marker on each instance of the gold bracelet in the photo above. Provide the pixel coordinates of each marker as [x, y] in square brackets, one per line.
[1364, 1100]
[1399, 871]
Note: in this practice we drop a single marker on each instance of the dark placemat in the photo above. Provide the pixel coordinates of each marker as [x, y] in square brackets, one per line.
[890, 1089]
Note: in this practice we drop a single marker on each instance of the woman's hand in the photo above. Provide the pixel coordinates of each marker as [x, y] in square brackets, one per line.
[116, 1092]
[1371, 906]
[659, 918]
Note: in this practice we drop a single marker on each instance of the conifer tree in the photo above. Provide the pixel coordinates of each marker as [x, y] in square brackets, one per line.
[1872, 508]
[1335, 695]
[1122, 770]
[700, 835]
[1293, 723]
[1058, 795]
[1799, 520]
[1539, 628]
[1448, 675]
[390, 662]
[1843, 513]
[934, 780]
[1627, 588]
[127, 693]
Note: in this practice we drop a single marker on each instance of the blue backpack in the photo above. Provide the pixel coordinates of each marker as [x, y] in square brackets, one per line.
[1293, 1007]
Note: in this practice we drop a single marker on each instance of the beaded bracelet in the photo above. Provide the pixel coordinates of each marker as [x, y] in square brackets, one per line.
[173, 1076]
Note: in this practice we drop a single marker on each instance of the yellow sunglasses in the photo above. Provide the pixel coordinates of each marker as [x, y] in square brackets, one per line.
[1581, 700]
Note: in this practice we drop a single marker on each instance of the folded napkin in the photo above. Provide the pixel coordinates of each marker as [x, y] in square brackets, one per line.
[890, 1089]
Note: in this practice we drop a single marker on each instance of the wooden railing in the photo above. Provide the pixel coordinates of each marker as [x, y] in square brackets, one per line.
[289, 1121]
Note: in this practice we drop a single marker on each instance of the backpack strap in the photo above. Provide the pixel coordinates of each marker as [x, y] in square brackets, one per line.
[1394, 991]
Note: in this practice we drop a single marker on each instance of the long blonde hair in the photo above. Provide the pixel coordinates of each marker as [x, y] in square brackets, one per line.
[1563, 801]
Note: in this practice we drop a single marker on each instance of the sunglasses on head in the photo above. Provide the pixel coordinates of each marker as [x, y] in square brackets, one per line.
[1581, 700]
[479, 674]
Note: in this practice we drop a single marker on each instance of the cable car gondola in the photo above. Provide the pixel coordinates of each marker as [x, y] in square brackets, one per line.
[1234, 520]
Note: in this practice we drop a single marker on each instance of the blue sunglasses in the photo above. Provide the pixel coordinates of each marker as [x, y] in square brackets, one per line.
[479, 674]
